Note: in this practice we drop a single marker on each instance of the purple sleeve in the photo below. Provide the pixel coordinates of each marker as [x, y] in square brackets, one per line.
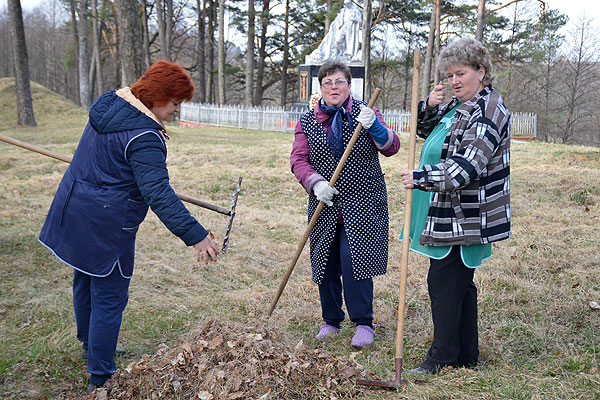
[392, 145]
[299, 161]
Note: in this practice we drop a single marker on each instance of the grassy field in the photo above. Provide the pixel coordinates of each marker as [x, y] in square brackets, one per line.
[539, 335]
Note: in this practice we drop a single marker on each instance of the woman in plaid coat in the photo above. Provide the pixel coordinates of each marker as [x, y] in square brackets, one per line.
[463, 201]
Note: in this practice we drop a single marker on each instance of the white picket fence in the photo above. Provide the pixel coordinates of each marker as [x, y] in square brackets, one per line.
[281, 120]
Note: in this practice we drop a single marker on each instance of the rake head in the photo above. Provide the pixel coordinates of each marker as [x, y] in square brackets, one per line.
[395, 384]
[236, 193]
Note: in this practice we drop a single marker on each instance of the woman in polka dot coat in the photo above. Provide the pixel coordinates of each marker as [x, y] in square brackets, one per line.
[349, 242]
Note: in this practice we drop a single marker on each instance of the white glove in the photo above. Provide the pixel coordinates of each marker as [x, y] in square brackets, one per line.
[366, 116]
[324, 192]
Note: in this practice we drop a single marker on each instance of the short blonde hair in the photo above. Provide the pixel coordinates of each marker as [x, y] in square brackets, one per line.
[469, 52]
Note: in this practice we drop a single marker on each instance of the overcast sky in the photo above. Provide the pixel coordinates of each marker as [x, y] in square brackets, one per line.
[572, 8]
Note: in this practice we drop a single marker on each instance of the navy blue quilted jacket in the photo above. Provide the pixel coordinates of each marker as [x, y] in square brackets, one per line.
[118, 170]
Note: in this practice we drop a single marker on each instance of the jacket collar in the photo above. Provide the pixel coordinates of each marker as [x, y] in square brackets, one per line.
[125, 94]
[466, 107]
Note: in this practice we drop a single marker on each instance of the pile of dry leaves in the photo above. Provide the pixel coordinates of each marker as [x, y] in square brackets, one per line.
[222, 362]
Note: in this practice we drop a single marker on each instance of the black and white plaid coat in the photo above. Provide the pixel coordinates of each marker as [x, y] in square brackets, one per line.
[471, 184]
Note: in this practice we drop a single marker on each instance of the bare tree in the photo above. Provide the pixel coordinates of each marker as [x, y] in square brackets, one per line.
[366, 46]
[286, 54]
[25, 114]
[437, 74]
[221, 53]
[84, 66]
[262, 52]
[96, 62]
[75, 31]
[328, 5]
[200, 59]
[130, 40]
[579, 78]
[145, 33]
[426, 79]
[480, 20]
[164, 15]
[211, 52]
[250, 54]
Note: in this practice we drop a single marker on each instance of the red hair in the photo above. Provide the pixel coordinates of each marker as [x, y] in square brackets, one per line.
[162, 82]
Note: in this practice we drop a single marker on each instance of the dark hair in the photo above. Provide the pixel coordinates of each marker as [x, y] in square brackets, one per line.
[162, 82]
[331, 67]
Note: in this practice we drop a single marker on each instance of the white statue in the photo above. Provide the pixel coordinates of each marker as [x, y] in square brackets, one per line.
[342, 40]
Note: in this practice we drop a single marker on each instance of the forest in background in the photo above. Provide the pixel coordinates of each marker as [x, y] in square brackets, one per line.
[247, 51]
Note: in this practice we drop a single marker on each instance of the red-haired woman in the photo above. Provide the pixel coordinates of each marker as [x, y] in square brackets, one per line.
[118, 170]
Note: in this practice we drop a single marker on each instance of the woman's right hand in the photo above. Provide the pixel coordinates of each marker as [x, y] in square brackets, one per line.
[206, 249]
[437, 95]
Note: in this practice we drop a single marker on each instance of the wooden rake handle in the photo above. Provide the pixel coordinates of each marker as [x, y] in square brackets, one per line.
[67, 159]
[313, 220]
[408, 205]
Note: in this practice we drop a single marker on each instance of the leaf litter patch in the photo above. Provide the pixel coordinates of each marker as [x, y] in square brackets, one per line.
[226, 362]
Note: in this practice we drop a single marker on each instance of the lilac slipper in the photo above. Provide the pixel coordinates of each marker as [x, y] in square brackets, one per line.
[363, 337]
[327, 330]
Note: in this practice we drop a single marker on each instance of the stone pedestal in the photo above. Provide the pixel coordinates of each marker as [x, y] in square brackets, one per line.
[308, 83]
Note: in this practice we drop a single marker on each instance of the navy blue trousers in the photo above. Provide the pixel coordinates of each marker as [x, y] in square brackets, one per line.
[453, 297]
[357, 294]
[99, 305]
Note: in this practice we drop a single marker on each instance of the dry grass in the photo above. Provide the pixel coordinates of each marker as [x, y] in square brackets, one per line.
[539, 337]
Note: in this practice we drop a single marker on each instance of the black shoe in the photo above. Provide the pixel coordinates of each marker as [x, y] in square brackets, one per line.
[92, 386]
[118, 351]
[419, 371]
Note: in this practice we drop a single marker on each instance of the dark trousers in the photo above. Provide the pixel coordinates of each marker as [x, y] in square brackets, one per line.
[99, 305]
[454, 310]
[357, 294]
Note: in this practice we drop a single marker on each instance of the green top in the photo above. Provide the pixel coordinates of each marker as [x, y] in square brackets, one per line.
[431, 153]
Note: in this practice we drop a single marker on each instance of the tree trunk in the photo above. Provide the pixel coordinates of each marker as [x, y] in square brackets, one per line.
[96, 62]
[286, 55]
[201, 61]
[162, 33]
[74, 29]
[327, 21]
[366, 47]
[129, 41]
[25, 114]
[262, 53]
[221, 54]
[169, 28]
[147, 57]
[211, 52]
[84, 64]
[250, 54]
[480, 20]
[426, 81]
[437, 74]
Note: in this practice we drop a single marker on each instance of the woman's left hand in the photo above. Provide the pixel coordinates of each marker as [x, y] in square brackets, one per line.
[206, 249]
[407, 179]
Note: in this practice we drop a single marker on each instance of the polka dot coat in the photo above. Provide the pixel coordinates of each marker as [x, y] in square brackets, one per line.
[362, 200]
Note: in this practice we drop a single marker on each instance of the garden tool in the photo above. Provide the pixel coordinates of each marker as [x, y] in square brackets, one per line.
[397, 382]
[222, 210]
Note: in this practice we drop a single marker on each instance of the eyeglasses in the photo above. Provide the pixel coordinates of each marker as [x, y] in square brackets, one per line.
[338, 82]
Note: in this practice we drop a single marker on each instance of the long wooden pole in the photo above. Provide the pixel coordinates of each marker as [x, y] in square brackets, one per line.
[313, 220]
[408, 207]
[398, 360]
[67, 159]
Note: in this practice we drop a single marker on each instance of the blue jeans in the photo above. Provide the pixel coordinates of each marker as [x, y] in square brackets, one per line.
[99, 304]
[357, 294]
